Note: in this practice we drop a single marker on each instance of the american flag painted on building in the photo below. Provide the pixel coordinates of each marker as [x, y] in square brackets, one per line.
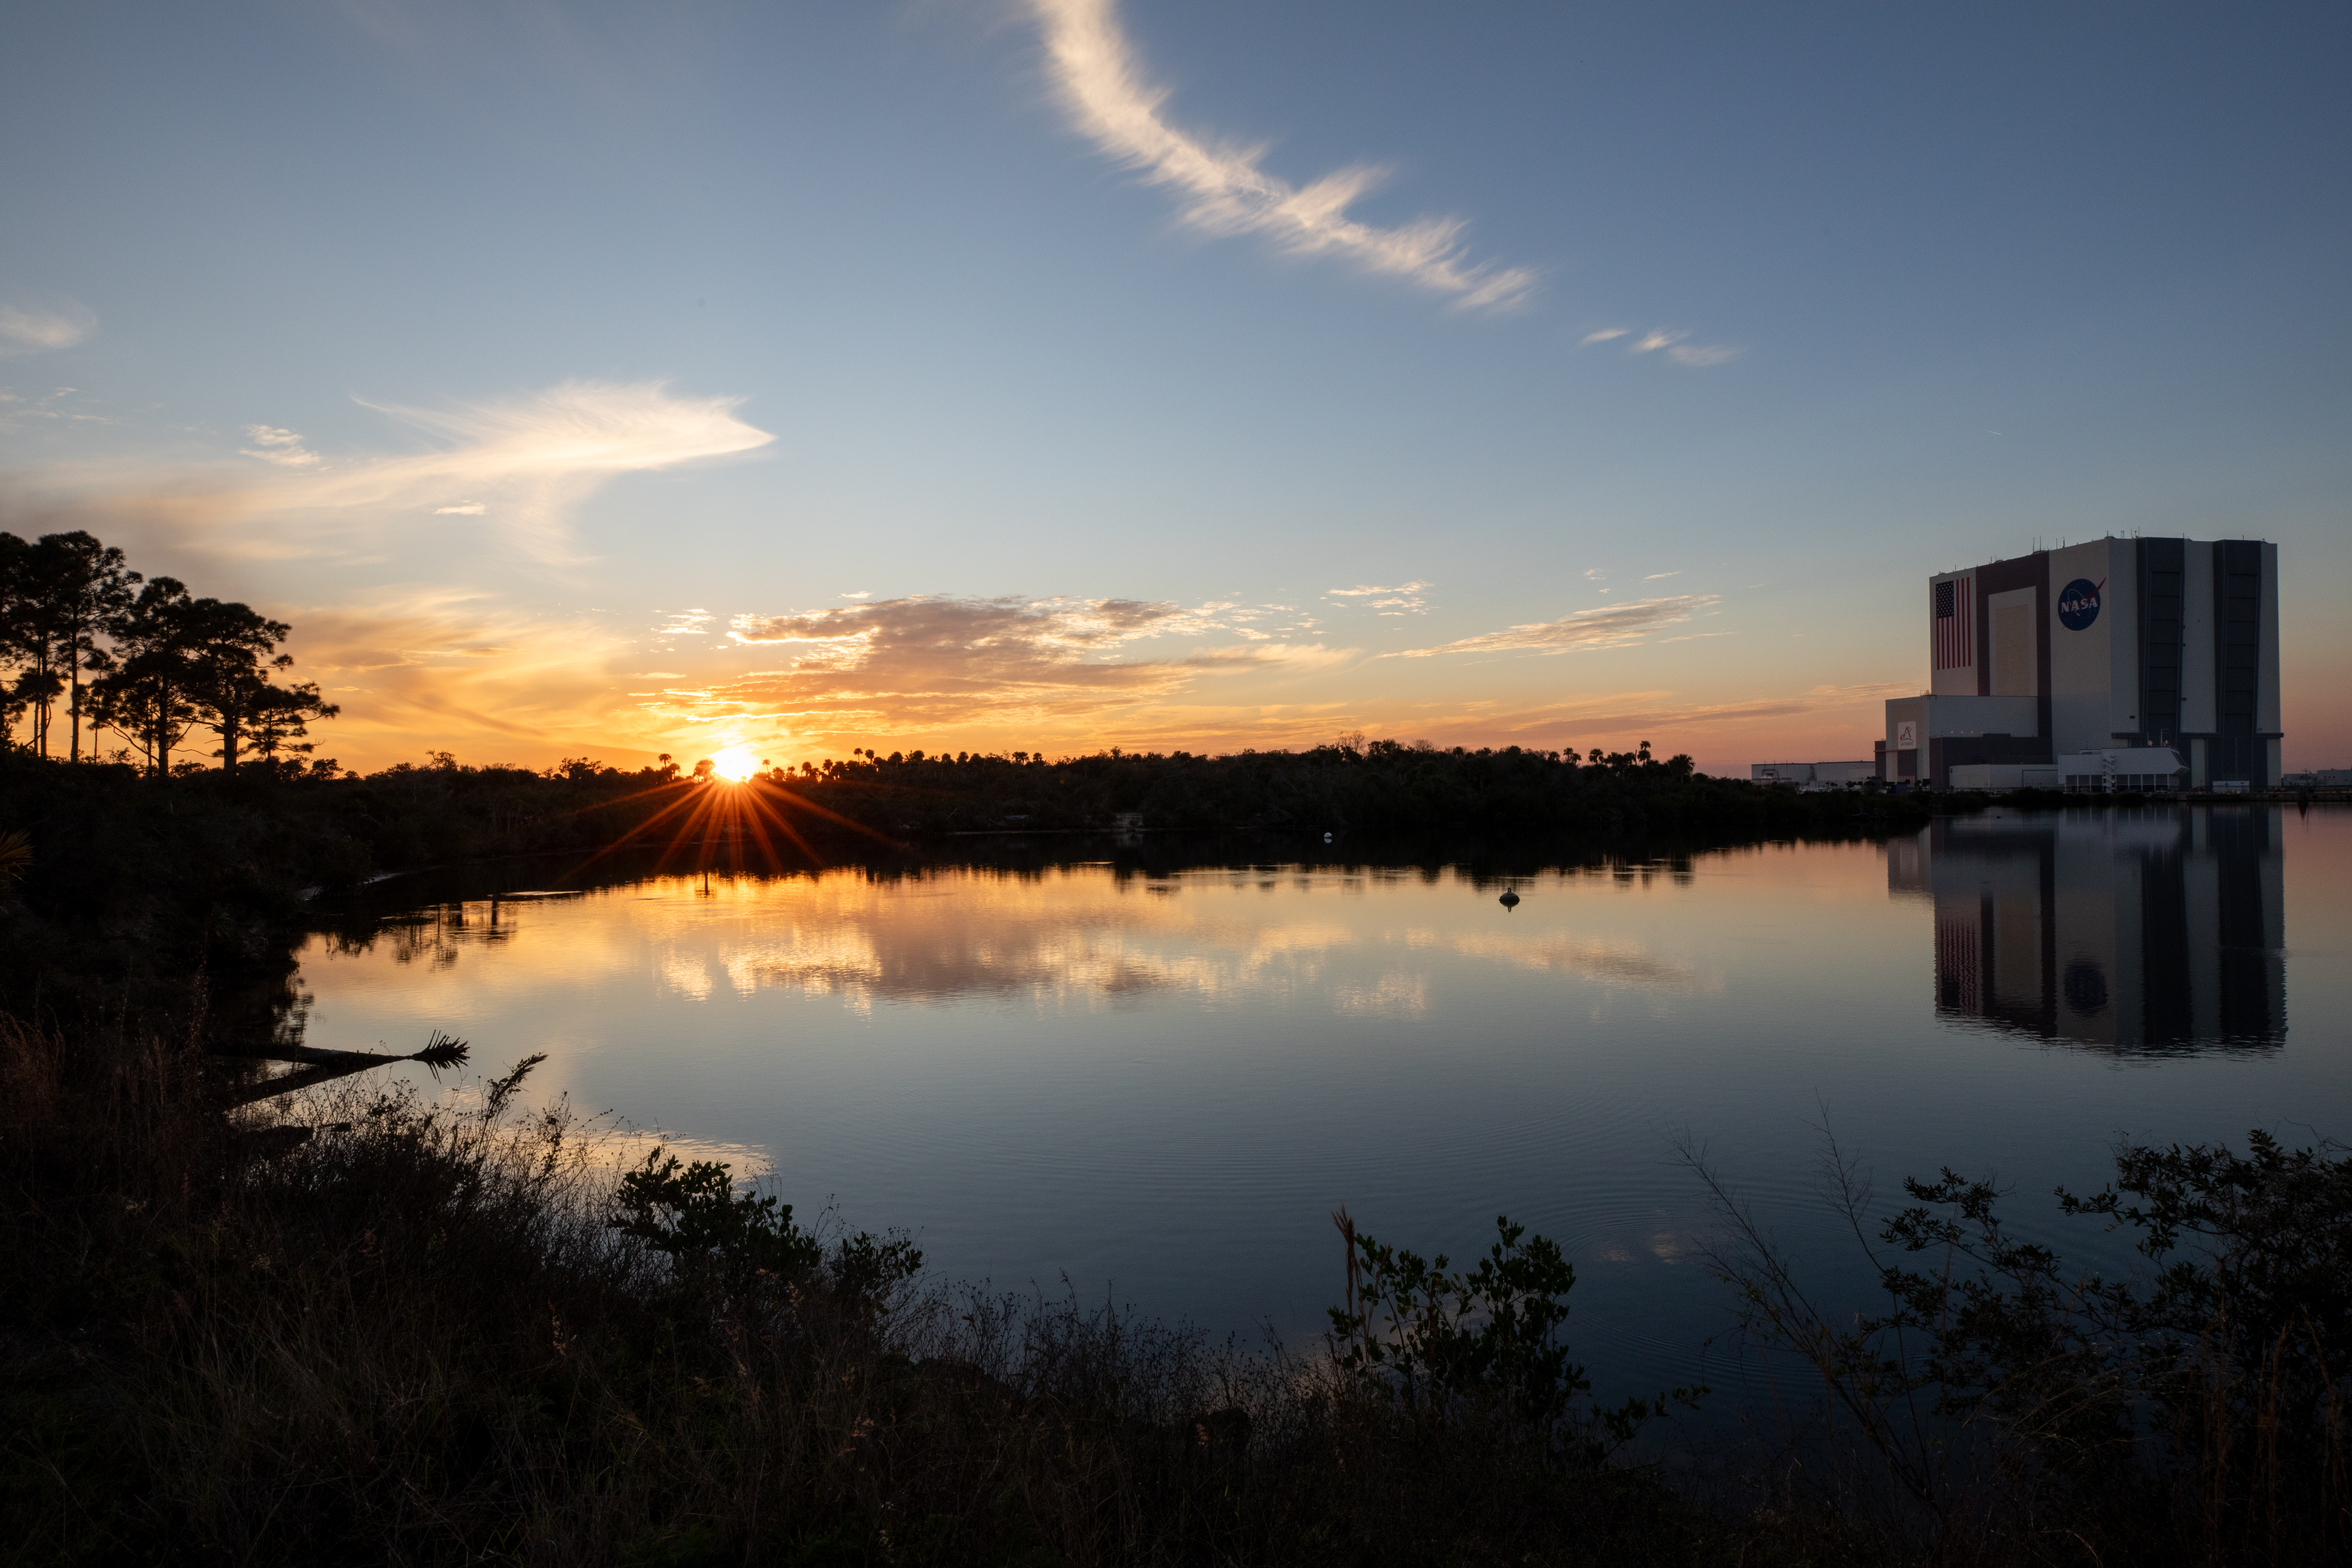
[1955, 616]
[1956, 976]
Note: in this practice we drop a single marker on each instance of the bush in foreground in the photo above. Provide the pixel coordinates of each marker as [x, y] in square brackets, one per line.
[2003, 1407]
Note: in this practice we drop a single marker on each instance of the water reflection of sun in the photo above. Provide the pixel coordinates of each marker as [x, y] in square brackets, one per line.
[736, 764]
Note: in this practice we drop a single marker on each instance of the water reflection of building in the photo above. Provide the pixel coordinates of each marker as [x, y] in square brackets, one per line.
[2160, 930]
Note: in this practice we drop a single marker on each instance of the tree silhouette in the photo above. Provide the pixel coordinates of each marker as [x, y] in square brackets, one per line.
[26, 622]
[14, 698]
[174, 663]
[146, 696]
[279, 721]
[231, 652]
[84, 586]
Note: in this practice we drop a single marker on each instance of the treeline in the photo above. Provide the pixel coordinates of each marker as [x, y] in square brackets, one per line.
[86, 639]
[210, 850]
[1348, 786]
[1351, 785]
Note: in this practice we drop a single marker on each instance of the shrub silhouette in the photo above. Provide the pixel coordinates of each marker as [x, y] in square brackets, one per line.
[693, 1214]
[1443, 1346]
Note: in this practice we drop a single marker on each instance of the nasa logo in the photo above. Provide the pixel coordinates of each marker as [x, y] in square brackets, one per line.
[2078, 603]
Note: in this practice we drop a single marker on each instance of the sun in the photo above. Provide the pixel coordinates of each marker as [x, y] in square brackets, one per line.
[736, 764]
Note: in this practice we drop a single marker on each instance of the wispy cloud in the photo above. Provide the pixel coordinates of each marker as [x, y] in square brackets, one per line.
[1661, 711]
[1224, 186]
[527, 462]
[1655, 575]
[1679, 351]
[58, 404]
[1670, 342]
[581, 427]
[1612, 626]
[1404, 599]
[1634, 709]
[27, 331]
[281, 447]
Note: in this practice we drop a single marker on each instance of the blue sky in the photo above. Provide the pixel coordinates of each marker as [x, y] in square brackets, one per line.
[562, 371]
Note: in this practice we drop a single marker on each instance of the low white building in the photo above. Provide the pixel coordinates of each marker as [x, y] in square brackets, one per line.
[1813, 775]
[2131, 768]
[2136, 770]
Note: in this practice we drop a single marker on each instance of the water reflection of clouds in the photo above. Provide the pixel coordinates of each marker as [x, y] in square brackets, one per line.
[1089, 943]
[1078, 936]
[894, 952]
[1609, 961]
[1665, 1247]
[1398, 995]
[688, 975]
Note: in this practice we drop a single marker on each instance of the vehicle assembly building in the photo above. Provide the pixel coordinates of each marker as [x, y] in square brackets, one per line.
[2146, 664]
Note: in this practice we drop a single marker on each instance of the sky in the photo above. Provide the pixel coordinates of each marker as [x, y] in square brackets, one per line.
[612, 379]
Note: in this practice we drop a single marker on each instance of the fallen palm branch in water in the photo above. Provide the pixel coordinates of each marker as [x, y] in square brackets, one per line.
[319, 1066]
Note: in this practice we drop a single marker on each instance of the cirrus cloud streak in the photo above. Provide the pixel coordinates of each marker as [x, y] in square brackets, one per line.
[523, 465]
[1223, 185]
[1610, 625]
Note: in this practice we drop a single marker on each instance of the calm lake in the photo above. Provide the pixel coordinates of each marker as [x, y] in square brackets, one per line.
[1159, 1076]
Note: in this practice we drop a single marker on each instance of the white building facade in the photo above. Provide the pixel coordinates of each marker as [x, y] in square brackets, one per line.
[2152, 660]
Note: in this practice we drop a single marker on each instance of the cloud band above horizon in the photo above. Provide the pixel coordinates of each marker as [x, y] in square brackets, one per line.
[935, 658]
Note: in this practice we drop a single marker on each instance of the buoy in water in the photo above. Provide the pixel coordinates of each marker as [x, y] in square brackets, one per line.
[1509, 900]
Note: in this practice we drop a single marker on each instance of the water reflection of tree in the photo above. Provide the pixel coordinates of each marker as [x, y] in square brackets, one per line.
[434, 935]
